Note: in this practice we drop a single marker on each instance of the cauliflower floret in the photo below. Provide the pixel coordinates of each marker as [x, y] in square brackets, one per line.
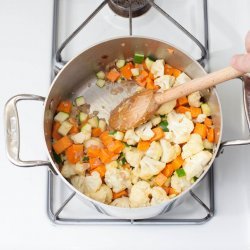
[182, 78]
[195, 165]
[157, 68]
[189, 115]
[181, 127]
[133, 157]
[121, 202]
[117, 179]
[150, 167]
[154, 151]
[135, 175]
[130, 137]
[192, 147]
[92, 182]
[165, 82]
[69, 169]
[179, 183]
[156, 120]
[139, 194]
[169, 136]
[166, 108]
[158, 195]
[200, 118]
[104, 194]
[170, 152]
[112, 164]
[78, 182]
[207, 144]
[194, 99]
[145, 132]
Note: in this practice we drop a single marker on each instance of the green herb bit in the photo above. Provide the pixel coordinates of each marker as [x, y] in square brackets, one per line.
[164, 125]
[112, 132]
[181, 172]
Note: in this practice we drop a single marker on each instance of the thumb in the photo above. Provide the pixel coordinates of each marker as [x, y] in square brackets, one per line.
[241, 62]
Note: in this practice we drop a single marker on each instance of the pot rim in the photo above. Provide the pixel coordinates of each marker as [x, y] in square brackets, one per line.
[182, 194]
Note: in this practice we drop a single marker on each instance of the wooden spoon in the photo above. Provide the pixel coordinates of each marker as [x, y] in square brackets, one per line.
[140, 107]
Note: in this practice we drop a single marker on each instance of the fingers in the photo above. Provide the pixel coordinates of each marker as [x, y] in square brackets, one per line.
[247, 42]
[241, 62]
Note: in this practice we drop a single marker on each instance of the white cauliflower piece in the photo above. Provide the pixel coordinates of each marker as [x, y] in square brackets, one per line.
[139, 194]
[169, 136]
[92, 182]
[80, 137]
[179, 183]
[104, 194]
[181, 127]
[93, 142]
[156, 120]
[112, 164]
[144, 131]
[165, 82]
[130, 137]
[158, 195]
[170, 152]
[121, 202]
[166, 108]
[70, 169]
[78, 182]
[154, 151]
[133, 157]
[157, 68]
[200, 118]
[189, 115]
[135, 175]
[195, 165]
[192, 147]
[194, 99]
[117, 179]
[182, 78]
[150, 167]
[207, 144]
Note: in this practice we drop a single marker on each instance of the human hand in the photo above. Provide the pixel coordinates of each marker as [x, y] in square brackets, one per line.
[242, 62]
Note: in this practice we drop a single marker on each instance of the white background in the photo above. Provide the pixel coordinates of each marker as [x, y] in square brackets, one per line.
[25, 46]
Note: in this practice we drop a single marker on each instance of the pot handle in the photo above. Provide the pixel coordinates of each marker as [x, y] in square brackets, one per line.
[246, 102]
[12, 131]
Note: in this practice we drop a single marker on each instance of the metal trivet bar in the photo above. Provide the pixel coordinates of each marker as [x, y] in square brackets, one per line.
[58, 63]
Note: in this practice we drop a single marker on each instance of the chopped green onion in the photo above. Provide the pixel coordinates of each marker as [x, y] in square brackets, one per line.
[152, 57]
[138, 58]
[100, 75]
[180, 172]
[85, 159]
[112, 132]
[120, 63]
[57, 157]
[164, 126]
[193, 180]
[79, 101]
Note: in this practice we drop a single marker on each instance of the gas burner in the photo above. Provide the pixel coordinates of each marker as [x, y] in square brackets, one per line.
[122, 7]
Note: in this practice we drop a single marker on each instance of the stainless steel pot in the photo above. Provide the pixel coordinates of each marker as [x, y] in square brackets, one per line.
[78, 78]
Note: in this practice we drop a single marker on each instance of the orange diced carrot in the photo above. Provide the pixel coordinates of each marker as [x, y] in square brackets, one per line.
[120, 194]
[160, 179]
[143, 145]
[64, 106]
[126, 71]
[195, 111]
[94, 163]
[172, 191]
[75, 128]
[182, 109]
[151, 76]
[182, 101]
[100, 169]
[55, 134]
[176, 72]
[74, 153]
[62, 144]
[113, 75]
[177, 162]
[150, 84]
[200, 129]
[158, 134]
[168, 170]
[106, 138]
[208, 122]
[93, 151]
[106, 156]
[126, 165]
[96, 132]
[210, 135]
[115, 147]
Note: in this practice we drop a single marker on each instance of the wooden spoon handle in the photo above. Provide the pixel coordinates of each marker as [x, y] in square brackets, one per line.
[200, 83]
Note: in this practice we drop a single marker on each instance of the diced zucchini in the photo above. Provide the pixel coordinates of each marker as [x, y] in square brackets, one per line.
[102, 125]
[61, 117]
[86, 128]
[148, 63]
[120, 63]
[180, 172]
[100, 83]
[80, 137]
[138, 58]
[118, 135]
[156, 120]
[135, 71]
[205, 109]
[79, 101]
[83, 117]
[100, 75]
[207, 144]
[94, 121]
[65, 128]
[112, 132]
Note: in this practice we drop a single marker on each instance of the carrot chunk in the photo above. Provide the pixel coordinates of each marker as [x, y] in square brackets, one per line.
[168, 170]
[120, 194]
[64, 106]
[55, 134]
[177, 162]
[126, 71]
[143, 145]
[172, 191]
[74, 153]
[106, 156]
[182, 109]
[100, 169]
[210, 135]
[200, 129]
[93, 152]
[96, 132]
[176, 72]
[158, 134]
[94, 162]
[115, 147]
[208, 122]
[182, 101]
[195, 111]
[160, 179]
[62, 144]
[75, 128]
[113, 75]
[106, 138]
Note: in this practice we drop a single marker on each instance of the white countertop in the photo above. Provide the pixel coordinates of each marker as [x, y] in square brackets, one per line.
[25, 46]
